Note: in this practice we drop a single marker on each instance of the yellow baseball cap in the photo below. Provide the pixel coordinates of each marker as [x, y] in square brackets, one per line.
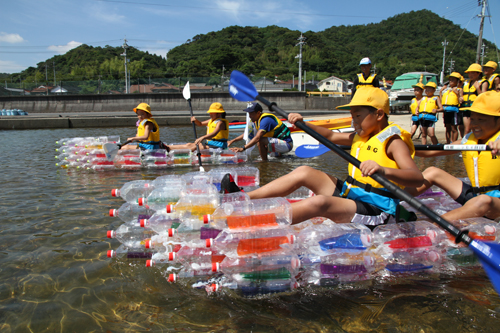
[431, 84]
[216, 108]
[491, 64]
[487, 103]
[474, 68]
[144, 107]
[456, 75]
[418, 85]
[369, 96]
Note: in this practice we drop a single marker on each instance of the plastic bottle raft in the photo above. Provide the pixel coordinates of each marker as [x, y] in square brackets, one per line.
[88, 154]
[191, 234]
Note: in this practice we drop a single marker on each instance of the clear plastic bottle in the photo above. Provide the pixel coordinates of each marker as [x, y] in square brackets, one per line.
[183, 234]
[250, 288]
[133, 190]
[181, 157]
[128, 162]
[391, 237]
[413, 259]
[233, 197]
[161, 221]
[218, 173]
[196, 200]
[481, 229]
[248, 176]
[329, 237]
[131, 213]
[131, 237]
[256, 243]
[124, 253]
[162, 196]
[227, 156]
[265, 268]
[251, 215]
[168, 179]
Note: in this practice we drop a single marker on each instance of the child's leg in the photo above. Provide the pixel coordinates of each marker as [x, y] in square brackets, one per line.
[448, 133]
[424, 134]
[454, 133]
[466, 125]
[191, 146]
[482, 205]
[432, 135]
[440, 178]
[339, 210]
[262, 145]
[315, 180]
[413, 130]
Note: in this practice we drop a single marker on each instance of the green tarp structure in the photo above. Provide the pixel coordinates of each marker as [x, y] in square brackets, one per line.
[406, 81]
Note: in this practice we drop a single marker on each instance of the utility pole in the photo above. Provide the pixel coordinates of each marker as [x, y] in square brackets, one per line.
[54, 64]
[222, 78]
[483, 53]
[124, 54]
[480, 39]
[46, 79]
[445, 43]
[452, 64]
[374, 69]
[301, 42]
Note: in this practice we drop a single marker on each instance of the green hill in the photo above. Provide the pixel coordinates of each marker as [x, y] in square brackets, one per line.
[403, 43]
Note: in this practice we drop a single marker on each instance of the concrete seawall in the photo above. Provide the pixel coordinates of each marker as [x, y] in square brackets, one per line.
[77, 111]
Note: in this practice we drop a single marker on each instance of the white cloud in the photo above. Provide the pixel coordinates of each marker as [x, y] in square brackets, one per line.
[10, 38]
[10, 67]
[232, 7]
[61, 49]
[103, 13]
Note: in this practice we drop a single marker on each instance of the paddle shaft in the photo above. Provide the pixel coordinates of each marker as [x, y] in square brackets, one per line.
[194, 130]
[393, 188]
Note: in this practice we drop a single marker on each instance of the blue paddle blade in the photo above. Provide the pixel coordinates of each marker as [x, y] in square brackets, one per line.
[307, 151]
[241, 88]
[489, 255]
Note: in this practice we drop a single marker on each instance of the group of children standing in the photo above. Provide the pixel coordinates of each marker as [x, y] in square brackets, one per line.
[458, 93]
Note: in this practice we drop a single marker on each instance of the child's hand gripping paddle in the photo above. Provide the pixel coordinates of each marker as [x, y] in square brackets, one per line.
[186, 92]
[111, 149]
[242, 89]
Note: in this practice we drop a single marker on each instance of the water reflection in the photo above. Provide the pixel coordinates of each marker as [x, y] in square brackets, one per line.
[55, 276]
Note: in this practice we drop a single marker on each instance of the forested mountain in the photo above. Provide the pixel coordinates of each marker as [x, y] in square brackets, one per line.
[403, 43]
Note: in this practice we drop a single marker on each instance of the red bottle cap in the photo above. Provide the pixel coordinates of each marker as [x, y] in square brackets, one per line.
[111, 234]
[148, 244]
[170, 208]
[215, 267]
[209, 242]
[171, 232]
[206, 218]
[143, 222]
[115, 192]
[112, 212]
[150, 263]
[111, 254]
[141, 201]
[171, 256]
[172, 278]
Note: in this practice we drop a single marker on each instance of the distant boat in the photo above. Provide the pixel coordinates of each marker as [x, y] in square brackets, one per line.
[401, 91]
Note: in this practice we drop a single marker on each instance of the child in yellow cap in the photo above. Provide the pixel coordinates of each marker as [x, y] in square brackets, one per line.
[482, 198]
[148, 131]
[383, 148]
[491, 80]
[470, 90]
[418, 90]
[450, 100]
[427, 113]
[217, 130]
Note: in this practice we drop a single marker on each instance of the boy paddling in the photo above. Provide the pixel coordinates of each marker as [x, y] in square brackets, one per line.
[148, 131]
[381, 147]
[482, 198]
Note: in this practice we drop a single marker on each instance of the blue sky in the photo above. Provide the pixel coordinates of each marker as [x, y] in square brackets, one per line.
[33, 31]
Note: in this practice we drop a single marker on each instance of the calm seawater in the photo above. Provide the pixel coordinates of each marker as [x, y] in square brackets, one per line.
[55, 276]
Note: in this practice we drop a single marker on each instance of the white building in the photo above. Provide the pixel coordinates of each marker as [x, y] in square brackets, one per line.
[333, 84]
